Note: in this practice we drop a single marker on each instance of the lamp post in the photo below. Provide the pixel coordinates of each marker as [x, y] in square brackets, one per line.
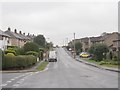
[74, 53]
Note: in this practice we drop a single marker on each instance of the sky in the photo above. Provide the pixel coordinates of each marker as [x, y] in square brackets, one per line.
[58, 20]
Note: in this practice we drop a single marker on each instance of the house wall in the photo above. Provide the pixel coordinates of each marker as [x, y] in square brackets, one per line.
[109, 41]
[14, 42]
[4, 42]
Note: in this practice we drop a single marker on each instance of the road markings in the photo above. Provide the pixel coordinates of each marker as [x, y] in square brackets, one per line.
[26, 75]
[16, 77]
[12, 79]
[16, 85]
[3, 85]
[8, 81]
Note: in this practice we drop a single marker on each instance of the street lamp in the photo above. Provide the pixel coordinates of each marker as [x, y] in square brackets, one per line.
[74, 53]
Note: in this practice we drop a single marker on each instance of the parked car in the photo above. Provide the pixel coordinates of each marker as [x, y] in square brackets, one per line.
[52, 56]
[84, 55]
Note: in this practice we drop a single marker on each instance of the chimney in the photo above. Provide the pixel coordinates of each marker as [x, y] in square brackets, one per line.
[33, 34]
[28, 34]
[20, 32]
[23, 33]
[15, 31]
[9, 29]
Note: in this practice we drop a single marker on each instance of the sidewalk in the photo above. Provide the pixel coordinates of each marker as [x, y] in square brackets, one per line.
[32, 69]
[92, 64]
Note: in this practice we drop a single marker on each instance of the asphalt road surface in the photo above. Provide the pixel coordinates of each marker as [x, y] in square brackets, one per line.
[65, 73]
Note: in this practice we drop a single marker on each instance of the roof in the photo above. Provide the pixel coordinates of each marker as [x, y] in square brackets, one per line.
[84, 39]
[116, 40]
[23, 36]
[12, 34]
[95, 39]
[4, 34]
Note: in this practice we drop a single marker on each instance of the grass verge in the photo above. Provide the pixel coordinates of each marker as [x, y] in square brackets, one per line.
[42, 66]
[104, 65]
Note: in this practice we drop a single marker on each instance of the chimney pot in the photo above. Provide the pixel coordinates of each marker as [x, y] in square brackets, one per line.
[9, 29]
[23, 33]
[28, 34]
[15, 31]
[20, 32]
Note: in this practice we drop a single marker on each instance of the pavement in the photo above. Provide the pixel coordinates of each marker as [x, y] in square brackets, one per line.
[93, 64]
[65, 73]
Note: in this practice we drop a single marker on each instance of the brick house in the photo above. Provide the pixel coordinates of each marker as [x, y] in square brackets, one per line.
[15, 39]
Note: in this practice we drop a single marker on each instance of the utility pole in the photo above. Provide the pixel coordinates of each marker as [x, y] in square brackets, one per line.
[66, 41]
[74, 47]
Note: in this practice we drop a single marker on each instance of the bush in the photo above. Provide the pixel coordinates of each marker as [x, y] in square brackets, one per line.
[109, 62]
[99, 51]
[32, 53]
[10, 54]
[102, 62]
[20, 62]
[30, 46]
[10, 50]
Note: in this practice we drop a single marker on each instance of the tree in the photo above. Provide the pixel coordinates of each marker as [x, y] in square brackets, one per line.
[40, 40]
[99, 51]
[78, 47]
[49, 45]
[31, 46]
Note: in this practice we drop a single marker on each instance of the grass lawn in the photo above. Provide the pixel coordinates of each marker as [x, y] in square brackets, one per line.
[42, 66]
[105, 65]
[109, 65]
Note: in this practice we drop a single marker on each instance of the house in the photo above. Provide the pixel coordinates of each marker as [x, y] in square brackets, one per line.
[25, 39]
[94, 40]
[4, 40]
[112, 40]
[116, 47]
[85, 44]
[15, 39]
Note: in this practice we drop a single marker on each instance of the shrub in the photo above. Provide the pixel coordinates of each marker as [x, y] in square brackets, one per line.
[10, 54]
[30, 46]
[32, 53]
[102, 62]
[10, 50]
[99, 51]
[23, 61]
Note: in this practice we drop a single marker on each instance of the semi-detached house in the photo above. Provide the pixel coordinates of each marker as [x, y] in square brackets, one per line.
[17, 39]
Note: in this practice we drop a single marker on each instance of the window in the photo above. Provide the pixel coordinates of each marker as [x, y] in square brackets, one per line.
[1, 38]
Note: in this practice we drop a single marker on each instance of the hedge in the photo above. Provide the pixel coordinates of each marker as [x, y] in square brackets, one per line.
[32, 53]
[18, 62]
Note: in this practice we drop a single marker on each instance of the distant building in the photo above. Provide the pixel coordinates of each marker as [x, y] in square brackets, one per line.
[4, 40]
[112, 40]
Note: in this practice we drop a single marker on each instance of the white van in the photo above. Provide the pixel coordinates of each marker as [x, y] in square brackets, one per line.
[52, 56]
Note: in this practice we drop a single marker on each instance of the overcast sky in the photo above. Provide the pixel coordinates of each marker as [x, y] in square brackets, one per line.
[59, 20]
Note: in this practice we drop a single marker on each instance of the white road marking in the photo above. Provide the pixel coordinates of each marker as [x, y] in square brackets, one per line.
[3, 85]
[16, 85]
[16, 77]
[8, 81]
[12, 79]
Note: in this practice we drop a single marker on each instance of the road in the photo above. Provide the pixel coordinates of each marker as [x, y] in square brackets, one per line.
[65, 73]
